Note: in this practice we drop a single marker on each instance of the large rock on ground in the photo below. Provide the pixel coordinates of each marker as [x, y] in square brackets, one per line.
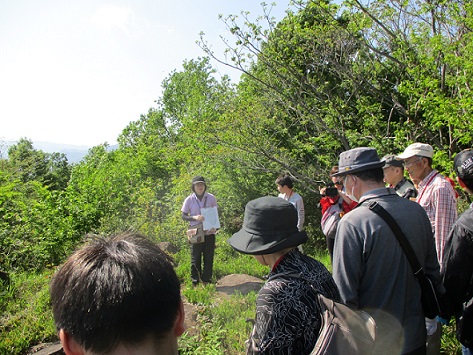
[238, 283]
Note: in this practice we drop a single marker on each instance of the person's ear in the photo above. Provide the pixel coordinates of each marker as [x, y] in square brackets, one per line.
[69, 345]
[179, 323]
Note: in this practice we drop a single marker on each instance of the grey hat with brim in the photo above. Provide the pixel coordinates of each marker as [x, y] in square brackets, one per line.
[390, 160]
[269, 226]
[357, 160]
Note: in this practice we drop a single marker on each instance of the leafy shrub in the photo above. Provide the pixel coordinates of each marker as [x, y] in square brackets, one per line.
[26, 317]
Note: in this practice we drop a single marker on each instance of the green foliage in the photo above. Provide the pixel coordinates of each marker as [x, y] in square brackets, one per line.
[26, 318]
[234, 262]
[208, 342]
[325, 79]
[29, 164]
[450, 345]
[34, 232]
[225, 327]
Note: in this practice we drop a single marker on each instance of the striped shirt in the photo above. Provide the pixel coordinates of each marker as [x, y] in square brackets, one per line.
[437, 197]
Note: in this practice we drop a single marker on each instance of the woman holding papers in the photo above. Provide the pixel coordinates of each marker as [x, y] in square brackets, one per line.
[200, 207]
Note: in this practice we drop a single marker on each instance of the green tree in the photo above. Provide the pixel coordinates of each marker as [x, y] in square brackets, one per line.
[334, 77]
[34, 231]
[27, 162]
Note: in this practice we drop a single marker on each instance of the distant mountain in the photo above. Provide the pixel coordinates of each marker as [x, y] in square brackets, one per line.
[74, 153]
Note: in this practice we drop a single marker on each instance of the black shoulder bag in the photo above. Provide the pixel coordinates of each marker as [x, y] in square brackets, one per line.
[429, 298]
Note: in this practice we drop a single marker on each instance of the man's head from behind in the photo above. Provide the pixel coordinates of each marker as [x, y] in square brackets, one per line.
[115, 294]
[463, 165]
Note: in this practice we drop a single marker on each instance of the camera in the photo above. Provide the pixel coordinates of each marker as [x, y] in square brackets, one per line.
[331, 190]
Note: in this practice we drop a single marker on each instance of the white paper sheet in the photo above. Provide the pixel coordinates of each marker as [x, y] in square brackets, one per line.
[211, 218]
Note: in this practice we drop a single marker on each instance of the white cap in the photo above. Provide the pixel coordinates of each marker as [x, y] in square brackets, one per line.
[420, 149]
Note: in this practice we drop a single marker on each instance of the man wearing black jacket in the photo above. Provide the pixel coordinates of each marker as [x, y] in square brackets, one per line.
[458, 260]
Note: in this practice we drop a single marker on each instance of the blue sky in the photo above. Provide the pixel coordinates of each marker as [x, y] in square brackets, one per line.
[77, 72]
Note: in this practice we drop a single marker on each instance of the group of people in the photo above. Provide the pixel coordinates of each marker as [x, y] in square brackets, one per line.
[121, 295]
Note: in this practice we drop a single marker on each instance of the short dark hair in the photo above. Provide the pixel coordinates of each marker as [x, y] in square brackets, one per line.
[376, 175]
[285, 180]
[116, 290]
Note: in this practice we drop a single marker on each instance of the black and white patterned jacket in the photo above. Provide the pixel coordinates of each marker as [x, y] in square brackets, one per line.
[288, 317]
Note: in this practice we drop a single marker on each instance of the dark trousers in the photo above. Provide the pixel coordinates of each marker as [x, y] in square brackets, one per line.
[330, 244]
[203, 251]
[420, 351]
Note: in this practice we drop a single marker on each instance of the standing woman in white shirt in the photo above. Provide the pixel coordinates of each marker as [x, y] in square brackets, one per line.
[285, 187]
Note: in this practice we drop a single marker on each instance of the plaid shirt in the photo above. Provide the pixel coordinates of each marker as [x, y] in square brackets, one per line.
[437, 197]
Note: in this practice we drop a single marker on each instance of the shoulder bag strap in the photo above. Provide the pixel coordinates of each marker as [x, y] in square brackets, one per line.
[405, 245]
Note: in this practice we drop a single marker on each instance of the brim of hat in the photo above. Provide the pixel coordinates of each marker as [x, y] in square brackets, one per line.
[396, 165]
[405, 155]
[378, 164]
[253, 244]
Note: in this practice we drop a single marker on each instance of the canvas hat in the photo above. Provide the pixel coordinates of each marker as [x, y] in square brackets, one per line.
[463, 164]
[420, 149]
[390, 160]
[358, 159]
[269, 226]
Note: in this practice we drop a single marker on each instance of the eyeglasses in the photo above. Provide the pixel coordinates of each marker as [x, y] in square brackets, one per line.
[409, 163]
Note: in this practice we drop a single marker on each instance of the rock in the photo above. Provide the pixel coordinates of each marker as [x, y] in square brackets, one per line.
[190, 320]
[47, 349]
[241, 283]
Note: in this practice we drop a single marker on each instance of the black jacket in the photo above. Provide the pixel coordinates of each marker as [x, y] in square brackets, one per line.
[457, 271]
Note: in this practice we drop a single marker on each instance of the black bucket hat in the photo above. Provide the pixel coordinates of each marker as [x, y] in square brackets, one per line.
[269, 226]
[358, 159]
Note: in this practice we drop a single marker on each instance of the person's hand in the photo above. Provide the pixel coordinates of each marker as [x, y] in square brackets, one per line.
[212, 230]
[199, 218]
[322, 191]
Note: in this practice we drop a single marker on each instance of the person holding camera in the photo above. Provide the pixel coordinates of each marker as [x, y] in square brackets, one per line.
[334, 204]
